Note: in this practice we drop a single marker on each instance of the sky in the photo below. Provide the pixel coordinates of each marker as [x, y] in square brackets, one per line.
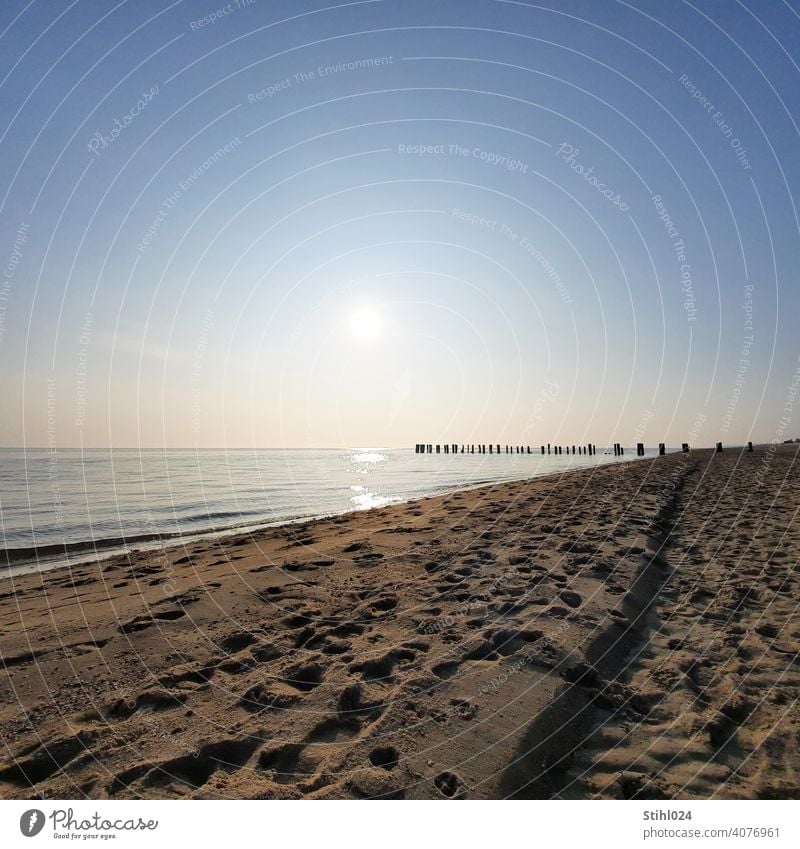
[300, 224]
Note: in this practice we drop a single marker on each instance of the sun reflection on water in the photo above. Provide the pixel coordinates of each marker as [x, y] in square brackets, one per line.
[370, 457]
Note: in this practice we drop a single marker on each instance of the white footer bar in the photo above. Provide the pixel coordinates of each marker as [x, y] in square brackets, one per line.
[615, 825]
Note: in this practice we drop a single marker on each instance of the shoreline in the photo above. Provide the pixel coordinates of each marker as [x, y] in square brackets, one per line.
[620, 631]
[26, 561]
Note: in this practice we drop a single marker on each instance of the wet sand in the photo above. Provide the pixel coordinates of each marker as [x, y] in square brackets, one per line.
[624, 632]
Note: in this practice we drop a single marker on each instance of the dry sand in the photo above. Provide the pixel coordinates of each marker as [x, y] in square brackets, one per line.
[625, 632]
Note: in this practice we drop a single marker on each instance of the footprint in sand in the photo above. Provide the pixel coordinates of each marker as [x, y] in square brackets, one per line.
[236, 642]
[570, 598]
[304, 676]
[142, 622]
[193, 771]
[385, 757]
[449, 784]
[261, 697]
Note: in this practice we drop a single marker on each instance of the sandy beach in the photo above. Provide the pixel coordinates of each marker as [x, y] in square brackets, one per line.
[624, 632]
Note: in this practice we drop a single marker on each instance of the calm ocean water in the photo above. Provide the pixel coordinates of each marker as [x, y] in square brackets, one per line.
[72, 504]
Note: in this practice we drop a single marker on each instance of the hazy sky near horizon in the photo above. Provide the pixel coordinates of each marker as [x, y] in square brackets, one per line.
[379, 223]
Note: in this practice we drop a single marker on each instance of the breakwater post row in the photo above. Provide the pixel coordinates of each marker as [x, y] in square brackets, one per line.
[496, 448]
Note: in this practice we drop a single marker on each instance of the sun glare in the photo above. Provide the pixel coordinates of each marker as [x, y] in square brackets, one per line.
[365, 323]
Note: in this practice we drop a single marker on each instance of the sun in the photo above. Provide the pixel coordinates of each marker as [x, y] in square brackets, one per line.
[365, 323]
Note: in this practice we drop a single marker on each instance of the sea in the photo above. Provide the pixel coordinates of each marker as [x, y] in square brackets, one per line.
[61, 507]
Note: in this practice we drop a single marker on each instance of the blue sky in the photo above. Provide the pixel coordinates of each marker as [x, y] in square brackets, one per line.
[570, 222]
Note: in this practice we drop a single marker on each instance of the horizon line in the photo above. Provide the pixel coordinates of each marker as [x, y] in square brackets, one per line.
[795, 441]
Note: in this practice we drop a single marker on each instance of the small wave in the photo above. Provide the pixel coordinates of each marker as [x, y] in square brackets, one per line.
[10, 556]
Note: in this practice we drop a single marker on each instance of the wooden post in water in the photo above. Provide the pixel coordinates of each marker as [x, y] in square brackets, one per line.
[543, 450]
